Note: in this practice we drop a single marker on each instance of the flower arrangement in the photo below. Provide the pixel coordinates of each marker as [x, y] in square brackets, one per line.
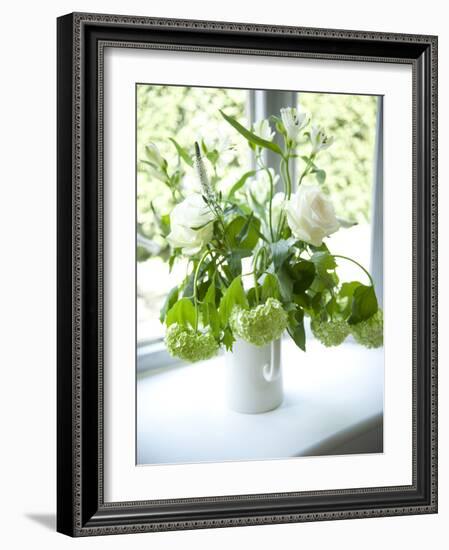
[258, 264]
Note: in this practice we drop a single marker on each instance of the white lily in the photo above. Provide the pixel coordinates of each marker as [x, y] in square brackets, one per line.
[320, 141]
[263, 129]
[293, 121]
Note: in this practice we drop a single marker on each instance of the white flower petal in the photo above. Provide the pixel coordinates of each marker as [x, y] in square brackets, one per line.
[311, 215]
[190, 223]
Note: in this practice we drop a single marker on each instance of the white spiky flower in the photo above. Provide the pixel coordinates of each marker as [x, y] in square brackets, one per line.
[206, 187]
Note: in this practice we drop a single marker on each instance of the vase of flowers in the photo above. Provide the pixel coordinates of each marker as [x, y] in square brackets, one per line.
[254, 377]
[258, 262]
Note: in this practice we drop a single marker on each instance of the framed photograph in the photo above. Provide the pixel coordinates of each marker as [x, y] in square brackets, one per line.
[247, 279]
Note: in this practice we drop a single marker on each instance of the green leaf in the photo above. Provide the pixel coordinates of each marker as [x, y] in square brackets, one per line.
[165, 223]
[303, 300]
[212, 156]
[364, 304]
[243, 232]
[324, 263]
[142, 254]
[234, 295]
[183, 313]
[296, 328]
[285, 284]
[171, 262]
[169, 302]
[240, 183]
[228, 339]
[321, 248]
[182, 152]
[332, 306]
[346, 293]
[187, 290]
[234, 260]
[252, 138]
[270, 287]
[316, 302]
[346, 223]
[347, 289]
[251, 295]
[302, 272]
[209, 310]
[320, 176]
[201, 290]
[280, 250]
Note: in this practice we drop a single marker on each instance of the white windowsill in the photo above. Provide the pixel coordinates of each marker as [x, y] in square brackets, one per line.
[182, 414]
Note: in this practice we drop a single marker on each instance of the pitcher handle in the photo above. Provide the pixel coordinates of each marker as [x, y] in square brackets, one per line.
[272, 371]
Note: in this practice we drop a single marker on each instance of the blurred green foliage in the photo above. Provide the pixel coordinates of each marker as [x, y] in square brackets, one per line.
[349, 162]
[189, 114]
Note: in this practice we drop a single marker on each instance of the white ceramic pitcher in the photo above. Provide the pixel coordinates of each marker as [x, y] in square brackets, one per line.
[253, 377]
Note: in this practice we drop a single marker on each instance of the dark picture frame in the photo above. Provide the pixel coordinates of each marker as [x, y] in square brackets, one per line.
[81, 510]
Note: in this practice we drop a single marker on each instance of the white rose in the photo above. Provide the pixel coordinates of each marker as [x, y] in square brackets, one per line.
[190, 224]
[311, 215]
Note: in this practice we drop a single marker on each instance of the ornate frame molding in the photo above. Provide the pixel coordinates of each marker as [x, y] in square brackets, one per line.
[81, 42]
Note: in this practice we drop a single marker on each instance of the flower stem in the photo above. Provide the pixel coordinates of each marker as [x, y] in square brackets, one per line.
[256, 285]
[357, 264]
[307, 168]
[286, 178]
[195, 289]
[270, 210]
[287, 173]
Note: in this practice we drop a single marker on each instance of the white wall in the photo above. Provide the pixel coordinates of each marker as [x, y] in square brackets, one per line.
[27, 309]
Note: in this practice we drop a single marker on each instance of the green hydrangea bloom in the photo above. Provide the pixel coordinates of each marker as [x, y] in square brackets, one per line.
[189, 345]
[330, 333]
[370, 333]
[261, 324]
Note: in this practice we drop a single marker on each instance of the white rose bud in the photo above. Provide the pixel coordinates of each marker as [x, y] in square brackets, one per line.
[190, 224]
[311, 215]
